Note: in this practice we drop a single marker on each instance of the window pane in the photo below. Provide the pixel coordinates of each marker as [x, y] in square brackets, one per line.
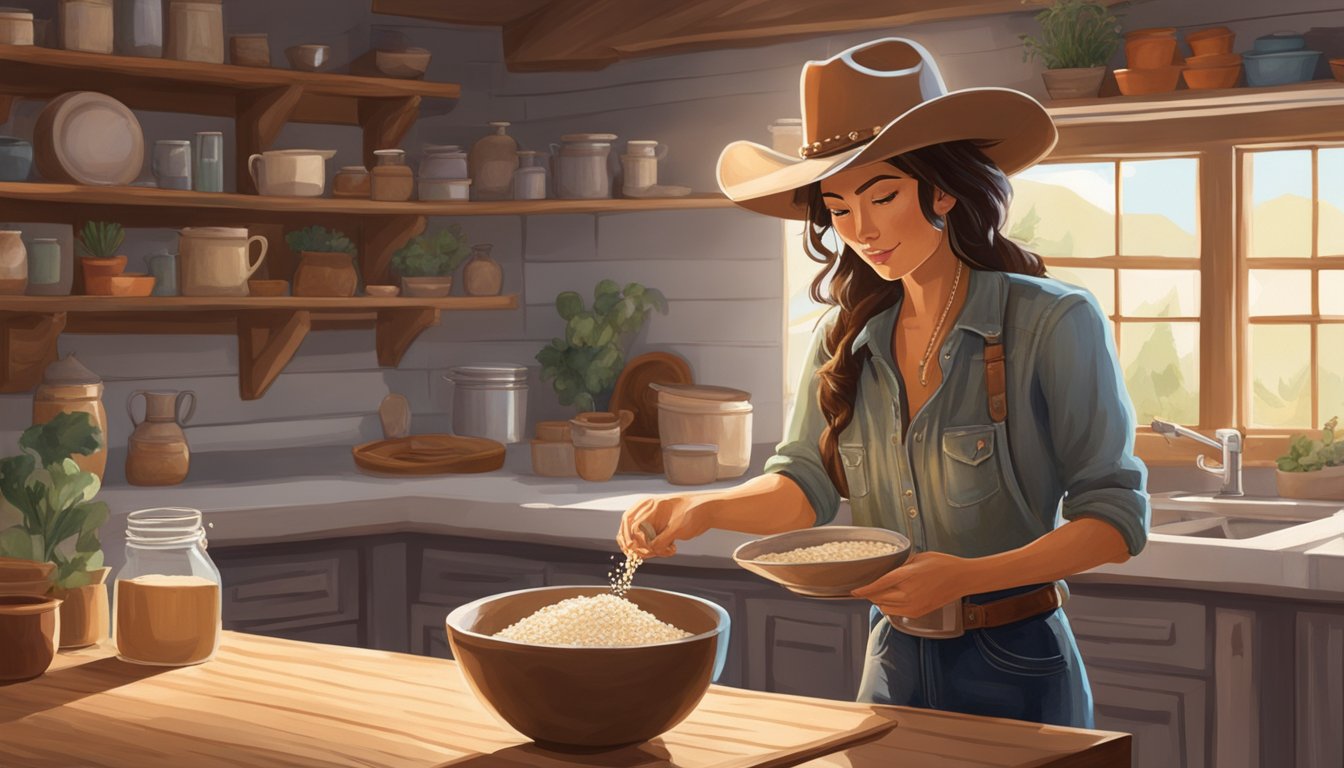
[1159, 292]
[803, 313]
[1332, 292]
[1159, 208]
[1280, 292]
[1280, 375]
[1332, 372]
[1099, 282]
[1281, 204]
[1065, 209]
[1330, 166]
[1161, 365]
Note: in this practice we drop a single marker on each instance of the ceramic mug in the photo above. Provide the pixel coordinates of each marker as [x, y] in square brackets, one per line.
[214, 261]
[171, 164]
[290, 172]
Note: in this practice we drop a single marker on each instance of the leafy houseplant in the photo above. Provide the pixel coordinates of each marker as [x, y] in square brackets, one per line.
[98, 243]
[583, 366]
[427, 262]
[59, 520]
[1077, 38]
[326, 262]
[1313, 469]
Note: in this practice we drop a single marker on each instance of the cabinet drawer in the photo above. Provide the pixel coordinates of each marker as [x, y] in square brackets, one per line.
[454, 578]
[806, 648]
[1152, 632]
[290, 590]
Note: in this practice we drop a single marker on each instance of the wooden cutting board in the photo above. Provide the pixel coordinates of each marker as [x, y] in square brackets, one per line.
[430, 455]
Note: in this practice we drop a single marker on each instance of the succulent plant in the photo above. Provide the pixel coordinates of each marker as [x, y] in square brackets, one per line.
[101, 239]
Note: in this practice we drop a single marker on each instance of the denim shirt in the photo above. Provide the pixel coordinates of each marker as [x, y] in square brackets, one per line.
[959, 482]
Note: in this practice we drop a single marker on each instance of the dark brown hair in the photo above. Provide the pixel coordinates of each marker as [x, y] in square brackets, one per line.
[981, 189]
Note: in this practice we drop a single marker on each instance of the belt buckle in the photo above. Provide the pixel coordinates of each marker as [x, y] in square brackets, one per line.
[939, 624]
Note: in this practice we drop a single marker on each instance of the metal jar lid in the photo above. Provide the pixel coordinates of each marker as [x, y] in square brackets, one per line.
[68, 370]
[489, 373]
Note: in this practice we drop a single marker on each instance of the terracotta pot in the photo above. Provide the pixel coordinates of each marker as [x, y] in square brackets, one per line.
[325, 274]
[1149, 51]
[29, 626]
[1326, 484]
[157, 452]
[1141, 82]
[426, 287]
[1211, 40]
[1074, 83]
[84, 612]
[101, 268]
[15, 569]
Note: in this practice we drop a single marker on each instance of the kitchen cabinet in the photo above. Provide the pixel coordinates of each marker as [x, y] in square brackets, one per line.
[1167, 714]
[301, 592]
[806, 647]
[443, 579]
[1320, 690]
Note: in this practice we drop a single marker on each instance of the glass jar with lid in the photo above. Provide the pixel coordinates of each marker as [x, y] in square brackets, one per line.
[392, 179]
[166, 598]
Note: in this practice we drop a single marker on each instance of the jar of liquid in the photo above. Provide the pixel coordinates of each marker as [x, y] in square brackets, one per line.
[392, 179]
[166, 598]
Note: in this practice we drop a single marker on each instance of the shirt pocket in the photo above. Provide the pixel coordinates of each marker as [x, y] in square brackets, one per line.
[856, 470]
[969, 476]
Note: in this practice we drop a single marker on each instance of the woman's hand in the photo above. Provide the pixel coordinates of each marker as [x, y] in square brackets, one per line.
[683, 516]
[926, 582]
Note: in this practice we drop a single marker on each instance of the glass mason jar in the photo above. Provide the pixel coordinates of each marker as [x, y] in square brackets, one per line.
[166, 598]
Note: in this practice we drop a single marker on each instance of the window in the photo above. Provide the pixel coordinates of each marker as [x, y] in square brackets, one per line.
[801, 313]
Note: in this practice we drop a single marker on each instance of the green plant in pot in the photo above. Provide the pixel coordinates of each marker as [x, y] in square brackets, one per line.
[584, 365]
[99, 244]
[58, 521]
[1077, 39]
[426, 263]
[1313, 468]
[326, 262]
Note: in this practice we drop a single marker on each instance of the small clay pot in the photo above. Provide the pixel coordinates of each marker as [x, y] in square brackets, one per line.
[84, 612]
[29, 626]
[325, 274]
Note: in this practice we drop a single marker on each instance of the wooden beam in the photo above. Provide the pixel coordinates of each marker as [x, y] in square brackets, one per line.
[385, 123]
[261, 116]
[27, 347]
[397, 328]
[382, 238]
[267, 342]
[495, 13]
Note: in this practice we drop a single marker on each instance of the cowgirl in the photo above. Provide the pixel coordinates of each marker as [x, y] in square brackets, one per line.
[953, 394]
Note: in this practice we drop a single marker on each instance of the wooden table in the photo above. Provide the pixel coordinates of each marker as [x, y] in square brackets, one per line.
[268, 702]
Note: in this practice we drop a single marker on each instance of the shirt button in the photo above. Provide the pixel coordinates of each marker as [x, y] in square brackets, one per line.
[909, 494]
[919, 437]
[912, 513]
[895, 439]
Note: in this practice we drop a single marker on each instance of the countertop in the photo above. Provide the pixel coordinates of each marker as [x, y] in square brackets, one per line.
[267, 496]
[270, 702]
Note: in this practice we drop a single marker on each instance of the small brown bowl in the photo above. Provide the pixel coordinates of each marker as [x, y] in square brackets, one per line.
[267, 287]
[832, 579]
[1337, 69]
[1211, 40]
[410, 63]
[1142, 82]
[1209, 78]
[308, 58]
[1213, 60]
[120, 285]
[381, 291]
[28, 633]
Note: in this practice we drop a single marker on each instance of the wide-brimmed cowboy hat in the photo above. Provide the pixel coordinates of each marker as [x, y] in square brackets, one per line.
[872, 102]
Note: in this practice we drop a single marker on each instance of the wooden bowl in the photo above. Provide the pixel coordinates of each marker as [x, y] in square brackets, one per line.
[1140, 82]
[308, 58]
[1206, 78]
[569, 697]
[430, 455]
[1210, 40]
[834, 579]
[120, 285]
[410, 63]
[267, 287]
[382, 291]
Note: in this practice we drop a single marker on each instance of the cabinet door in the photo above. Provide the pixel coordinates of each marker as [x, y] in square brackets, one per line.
[1129, 633]
[806, 647]
[1320, 690]
[289, 590]
[448, 579]
[1167, 714]
[428, 636]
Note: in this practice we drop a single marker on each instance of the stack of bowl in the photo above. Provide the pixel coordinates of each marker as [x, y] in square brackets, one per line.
[1150, 55]
[1280, 59]
[1213, 64]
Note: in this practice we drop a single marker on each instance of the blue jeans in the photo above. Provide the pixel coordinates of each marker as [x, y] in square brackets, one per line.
[1028, 670]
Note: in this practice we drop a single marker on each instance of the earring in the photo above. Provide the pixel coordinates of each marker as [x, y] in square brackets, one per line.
[939, 223]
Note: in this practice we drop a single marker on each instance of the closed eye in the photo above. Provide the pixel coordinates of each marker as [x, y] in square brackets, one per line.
[837, 213]
[885, 200]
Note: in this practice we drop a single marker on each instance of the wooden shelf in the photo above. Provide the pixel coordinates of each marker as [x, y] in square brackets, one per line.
[269, 330]
[1182, 103]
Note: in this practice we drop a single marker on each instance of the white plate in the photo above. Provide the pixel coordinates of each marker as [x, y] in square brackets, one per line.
[89, 138]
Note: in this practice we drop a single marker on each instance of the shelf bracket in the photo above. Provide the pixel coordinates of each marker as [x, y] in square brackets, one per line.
[27, 347]
[385, 122]
[267, 342]
[261, 116]
[397, 328]
[384, 236]
[6, 105]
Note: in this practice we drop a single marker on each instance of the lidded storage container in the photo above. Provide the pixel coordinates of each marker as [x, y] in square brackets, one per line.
[166, 598]
[490, 401]
[705, 415]
[491, 164]
[582, 169]
[195, 31]
[68, 387]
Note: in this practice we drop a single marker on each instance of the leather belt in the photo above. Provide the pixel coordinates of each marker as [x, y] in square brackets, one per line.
[1012, 609]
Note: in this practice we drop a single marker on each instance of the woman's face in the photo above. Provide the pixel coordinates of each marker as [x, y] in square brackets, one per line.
[875, 210]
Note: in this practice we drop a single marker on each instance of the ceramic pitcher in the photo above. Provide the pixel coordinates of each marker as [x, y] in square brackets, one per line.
[157, 452]
[214, 261]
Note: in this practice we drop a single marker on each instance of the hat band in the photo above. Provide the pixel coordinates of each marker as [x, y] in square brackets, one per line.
[839, 142]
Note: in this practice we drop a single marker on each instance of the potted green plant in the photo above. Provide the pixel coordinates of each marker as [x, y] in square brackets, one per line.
[426, 263]
[326, 262]
[1077, 38]
[584, 365]
[1313, 469]
[98, 244]
[59, 520]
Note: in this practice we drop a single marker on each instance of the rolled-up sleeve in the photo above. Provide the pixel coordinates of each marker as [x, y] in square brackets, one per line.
[798, 456]
[1092, 421]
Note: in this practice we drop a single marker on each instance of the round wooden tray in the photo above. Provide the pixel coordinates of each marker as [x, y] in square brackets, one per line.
[430, 455]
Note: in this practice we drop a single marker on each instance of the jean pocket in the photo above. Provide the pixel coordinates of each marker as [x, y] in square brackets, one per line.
[1029, 649]
[856, 470]
[969, 474]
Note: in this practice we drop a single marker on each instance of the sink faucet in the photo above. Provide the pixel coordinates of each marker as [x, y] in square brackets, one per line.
[1229, 442]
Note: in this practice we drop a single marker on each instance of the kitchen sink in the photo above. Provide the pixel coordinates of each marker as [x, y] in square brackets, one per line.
[1211, 516]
